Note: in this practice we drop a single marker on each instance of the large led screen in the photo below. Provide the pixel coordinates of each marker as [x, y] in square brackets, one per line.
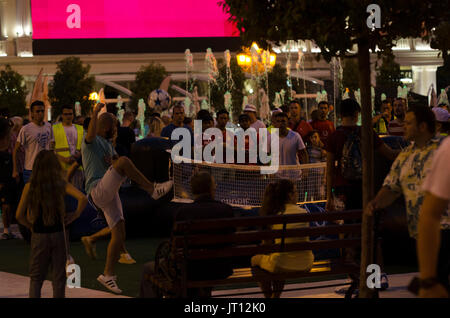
[112, 19]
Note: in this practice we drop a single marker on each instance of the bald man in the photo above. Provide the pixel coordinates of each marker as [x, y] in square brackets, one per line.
[105, 172]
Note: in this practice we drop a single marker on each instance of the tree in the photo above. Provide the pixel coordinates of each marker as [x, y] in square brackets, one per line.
[388, 76]
[71, 84]
[148, 78]
[218, 91]
[12, 92]
[277, 80]
[336, 27]
[440, 40]
[350, 77]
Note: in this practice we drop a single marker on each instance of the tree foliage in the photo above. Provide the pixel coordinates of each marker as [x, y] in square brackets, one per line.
[441, 40]
[71, 83]
[350, 78]
[388, 76]
[12, 92]
[277, 80]
[335, 26]
[148, 78]
[218, 91]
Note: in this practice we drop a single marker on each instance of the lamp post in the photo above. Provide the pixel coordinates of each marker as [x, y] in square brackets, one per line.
[93, 96]
[256, 60]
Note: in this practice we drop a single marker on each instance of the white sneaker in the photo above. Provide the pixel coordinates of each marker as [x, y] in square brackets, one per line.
[161, 189]
[110, 283]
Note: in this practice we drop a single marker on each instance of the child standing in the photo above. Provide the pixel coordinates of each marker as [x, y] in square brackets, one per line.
[316, 153]
[42, 209]
[315, 149]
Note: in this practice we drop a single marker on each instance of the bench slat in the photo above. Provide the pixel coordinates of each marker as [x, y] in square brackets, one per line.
[333, 269]
[209, 224]
[253, 236]
[198, 254]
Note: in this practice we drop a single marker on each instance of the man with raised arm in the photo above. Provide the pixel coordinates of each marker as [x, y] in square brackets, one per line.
[105, 172]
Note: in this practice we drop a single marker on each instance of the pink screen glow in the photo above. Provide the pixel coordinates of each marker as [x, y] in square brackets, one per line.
[88, 19]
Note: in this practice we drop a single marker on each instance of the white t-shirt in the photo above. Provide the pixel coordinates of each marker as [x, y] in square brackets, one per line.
[71, 134]
[437, 181]
[258, 124]
[289, 146]
[33, 139]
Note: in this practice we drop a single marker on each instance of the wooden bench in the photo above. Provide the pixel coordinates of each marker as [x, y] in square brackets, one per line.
[185, 245]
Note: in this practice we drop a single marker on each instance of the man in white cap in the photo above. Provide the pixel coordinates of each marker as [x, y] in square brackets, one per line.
[272, 118]
[442, 121]
[250, 110]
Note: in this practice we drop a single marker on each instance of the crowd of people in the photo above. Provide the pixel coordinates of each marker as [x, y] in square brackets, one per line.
[88, 158]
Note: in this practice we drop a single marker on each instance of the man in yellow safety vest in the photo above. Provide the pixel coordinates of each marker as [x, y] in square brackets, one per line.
[68, 138]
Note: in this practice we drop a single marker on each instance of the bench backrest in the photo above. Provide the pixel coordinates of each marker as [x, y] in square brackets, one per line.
[204, 239]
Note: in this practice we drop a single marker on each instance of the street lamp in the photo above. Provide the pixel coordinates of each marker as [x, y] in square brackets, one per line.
[255, 59]
[93, 96]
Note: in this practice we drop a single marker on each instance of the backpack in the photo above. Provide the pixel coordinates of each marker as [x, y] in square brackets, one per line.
[351, 161]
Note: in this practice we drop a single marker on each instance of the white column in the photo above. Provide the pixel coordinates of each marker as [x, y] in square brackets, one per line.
[3, 32]
[18, 28]
[23, 18]
[27, 25]
[423, 77]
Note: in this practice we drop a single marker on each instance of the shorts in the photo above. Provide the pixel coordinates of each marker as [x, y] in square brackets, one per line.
[105, 195]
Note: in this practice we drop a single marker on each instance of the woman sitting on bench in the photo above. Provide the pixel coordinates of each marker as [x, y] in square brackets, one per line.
[280, 198]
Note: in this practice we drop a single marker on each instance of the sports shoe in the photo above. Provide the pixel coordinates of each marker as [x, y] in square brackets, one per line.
[161, 189]
[110, 283]
[343, 290]
[126, 258]
[89, 247]
[384, 281]
[8, 236]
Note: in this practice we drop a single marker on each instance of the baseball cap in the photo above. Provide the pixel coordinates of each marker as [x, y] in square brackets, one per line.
[441, 114]
[250, 108]
[244, 117]
[276, 111]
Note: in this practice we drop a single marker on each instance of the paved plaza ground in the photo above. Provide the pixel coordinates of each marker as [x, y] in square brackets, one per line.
[16, 286]
[14, 280]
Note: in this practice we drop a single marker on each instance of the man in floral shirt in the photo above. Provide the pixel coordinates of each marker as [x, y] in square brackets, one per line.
[410, 168]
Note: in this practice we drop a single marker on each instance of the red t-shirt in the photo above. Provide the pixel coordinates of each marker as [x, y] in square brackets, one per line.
[325, 128]
[211, 138]
[303, 128]
[335, 145]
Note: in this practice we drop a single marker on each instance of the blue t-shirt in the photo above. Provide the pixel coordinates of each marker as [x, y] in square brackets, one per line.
[94, 163]
[167, 132]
